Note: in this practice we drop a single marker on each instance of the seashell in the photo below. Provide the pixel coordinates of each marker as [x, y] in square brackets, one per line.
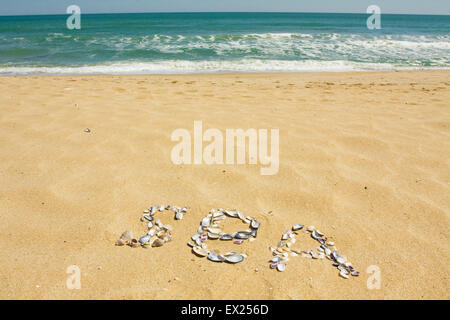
[275, 259]
[159, 223]
[355, 273]
[153, 210]
[167, 227]
[241, 215]
[212, 256]
[243, 235]
[297, 227]
[293, 254]
[167, 237]
[226, 237]
[311, 228]
[134, 243]
[344, 274]
[120, 242]
[148, 217]
[206, 222]
[150, 224]
[190, 244]
[236, 258]
[313, 254]
[231, 213]
[214, 230]
[126, 235]
[200, 229]
[161, 208]
[168, 207]
[151, 232]
[281, 267]
[238, 241]
[330, 243]
[200, 251]
[273, 265]
[184, 209]
[255, 224]
[315, 235]
[281, 244]
[320, 233]
[179, 215]
[196, 236]
[144, 239]
[254, 233]
[203, 237]
[285, 236]
[217, 214]
[213, 235]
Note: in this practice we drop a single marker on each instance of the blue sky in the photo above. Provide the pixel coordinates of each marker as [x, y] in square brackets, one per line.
[103, 6]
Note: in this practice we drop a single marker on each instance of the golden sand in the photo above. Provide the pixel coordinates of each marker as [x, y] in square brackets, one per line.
[364, 157]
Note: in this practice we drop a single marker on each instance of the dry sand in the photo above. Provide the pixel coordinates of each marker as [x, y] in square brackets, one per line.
[363, 156]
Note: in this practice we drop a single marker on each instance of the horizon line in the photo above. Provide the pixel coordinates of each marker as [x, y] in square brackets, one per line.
[172, 12]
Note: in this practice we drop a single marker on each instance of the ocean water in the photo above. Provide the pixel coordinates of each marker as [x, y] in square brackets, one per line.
[221, 42]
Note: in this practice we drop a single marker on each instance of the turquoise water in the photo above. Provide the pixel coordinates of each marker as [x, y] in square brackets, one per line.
[221, 42]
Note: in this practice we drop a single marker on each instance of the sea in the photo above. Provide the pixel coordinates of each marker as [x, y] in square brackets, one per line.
[174, 43]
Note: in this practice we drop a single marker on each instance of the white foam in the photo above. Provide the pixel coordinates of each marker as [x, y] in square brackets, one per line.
[216, 66]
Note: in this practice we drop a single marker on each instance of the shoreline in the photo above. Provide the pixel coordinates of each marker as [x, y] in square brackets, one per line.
[275, 73]
[363, 157]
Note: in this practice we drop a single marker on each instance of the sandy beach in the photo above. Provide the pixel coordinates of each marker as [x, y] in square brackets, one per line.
[364, 157]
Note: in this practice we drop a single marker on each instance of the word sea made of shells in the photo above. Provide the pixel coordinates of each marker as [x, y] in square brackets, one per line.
[158, 234]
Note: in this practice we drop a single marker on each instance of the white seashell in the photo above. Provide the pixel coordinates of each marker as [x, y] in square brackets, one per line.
[255, 224]
[236, 258]
[151, 232]
[206, 222]
[281, 267]
[241, 215]
[344, 274]
[231, 213]
[179, 215]
[150, 224]
[330, 243]
[217, 214]
[311, 228]
[213, 235]
[161, 208]
[200, 251]
[214, 230]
